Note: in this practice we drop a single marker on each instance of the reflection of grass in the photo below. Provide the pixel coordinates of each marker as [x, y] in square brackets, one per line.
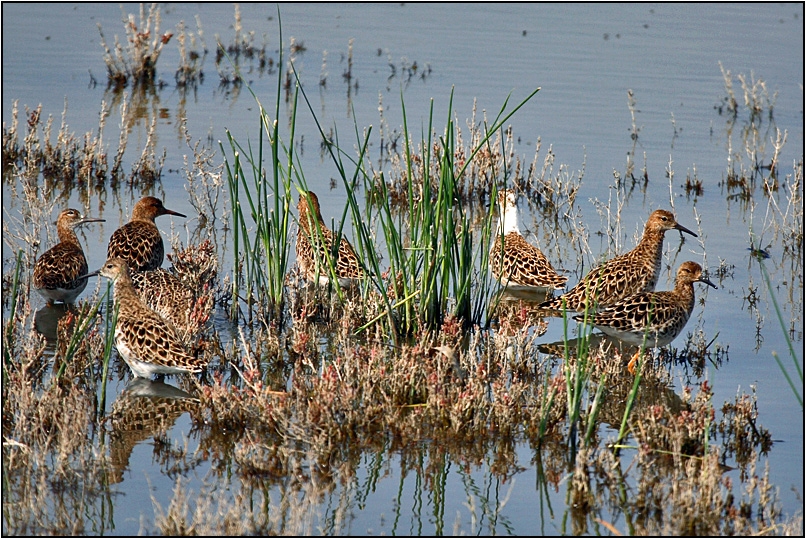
[742, 180]
[8, 334]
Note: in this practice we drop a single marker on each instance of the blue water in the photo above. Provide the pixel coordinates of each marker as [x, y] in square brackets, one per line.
[584, 58]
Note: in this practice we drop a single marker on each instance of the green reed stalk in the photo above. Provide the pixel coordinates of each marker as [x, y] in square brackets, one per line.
[84, 322]
[250, 264]
[780, 316]
[578, 383]
[238, 226]
[628, 408]
[109, 342]
[574, 378]
[596, 406]
[546, 403]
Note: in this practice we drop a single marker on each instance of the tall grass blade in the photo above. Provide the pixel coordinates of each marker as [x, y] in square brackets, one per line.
[111, 324]
[794, 357]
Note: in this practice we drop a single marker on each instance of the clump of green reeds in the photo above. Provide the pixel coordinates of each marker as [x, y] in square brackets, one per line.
[433, 253]
[261, 209]
[438, 263]
[137, 63]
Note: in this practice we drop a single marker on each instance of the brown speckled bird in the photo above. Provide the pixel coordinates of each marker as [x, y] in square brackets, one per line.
[315, 243]
[631, 273]
[139, 241]
[146, 341]
[651, 319]
[167, 295]
[58, 273]
[518, 264]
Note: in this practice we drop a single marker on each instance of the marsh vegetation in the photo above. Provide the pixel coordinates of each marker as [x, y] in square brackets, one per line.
[424, 370]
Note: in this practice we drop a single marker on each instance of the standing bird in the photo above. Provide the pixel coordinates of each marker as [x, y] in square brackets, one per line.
[146, 341]
[651, 319]
[139, 241]
[518, 264]
[631, 273]
[165, 294]
[59, 272]
[315, 245]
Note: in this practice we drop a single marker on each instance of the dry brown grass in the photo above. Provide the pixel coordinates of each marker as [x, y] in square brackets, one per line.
[51, 457]
[77, 164]
[495, 164]
[136, 65]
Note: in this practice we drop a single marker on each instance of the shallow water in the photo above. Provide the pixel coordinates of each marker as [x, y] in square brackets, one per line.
[585, 58]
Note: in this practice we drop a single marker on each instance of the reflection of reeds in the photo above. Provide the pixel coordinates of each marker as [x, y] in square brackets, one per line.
[8, 334]
[756, 166]
[241, 48]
